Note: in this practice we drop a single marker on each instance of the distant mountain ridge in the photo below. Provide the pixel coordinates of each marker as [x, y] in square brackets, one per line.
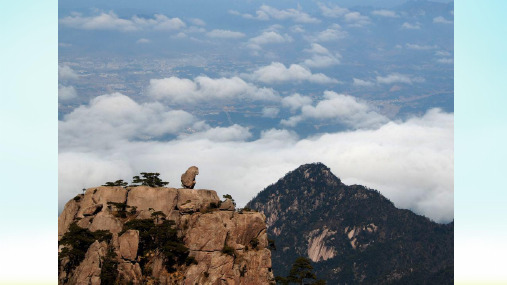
[353, 234]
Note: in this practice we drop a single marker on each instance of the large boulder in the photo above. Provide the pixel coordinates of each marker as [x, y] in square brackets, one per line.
[188, 178]
[129, 243]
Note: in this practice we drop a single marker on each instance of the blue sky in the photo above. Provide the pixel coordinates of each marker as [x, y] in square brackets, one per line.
[249, 91]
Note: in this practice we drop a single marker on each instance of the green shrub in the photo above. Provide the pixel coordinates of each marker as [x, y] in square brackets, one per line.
[116, 183]
[77, 241]
[163, 237]
[149, 179]
[109, 269]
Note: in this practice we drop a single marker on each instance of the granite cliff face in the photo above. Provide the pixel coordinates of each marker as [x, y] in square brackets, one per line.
[220, 244]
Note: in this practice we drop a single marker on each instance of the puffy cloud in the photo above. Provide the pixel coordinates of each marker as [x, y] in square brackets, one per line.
[143, 41]
[225, 34]
[110, 21]
[66, 92]
[66, 73]
[333, 33]
[410, 26]
[197, 22]
[341, 108]
[205, 89]
[441, 20]
[321, 57]
[420, 47]
[295, 101]
[398, 78]
[332, 11]
[355, 19]
[268, 37]
[270, 112]
[410, 162]
[297, 29]
[276, 72]
[385, 13]
[362, 83]
[266, 12]
[115, 117]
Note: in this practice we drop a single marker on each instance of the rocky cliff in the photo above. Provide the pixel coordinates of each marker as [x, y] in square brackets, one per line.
[125, 235]
[353, 234]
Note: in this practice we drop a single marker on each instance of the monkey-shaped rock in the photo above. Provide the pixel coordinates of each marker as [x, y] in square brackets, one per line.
[188, 178]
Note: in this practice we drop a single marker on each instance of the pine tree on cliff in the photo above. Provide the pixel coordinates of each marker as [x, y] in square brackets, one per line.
[301, 270]
[149, 179]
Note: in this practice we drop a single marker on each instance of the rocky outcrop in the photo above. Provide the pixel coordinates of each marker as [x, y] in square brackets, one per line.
[129, 243]
[229, 247]
[227, 205]
[188, 178]
[88, 272]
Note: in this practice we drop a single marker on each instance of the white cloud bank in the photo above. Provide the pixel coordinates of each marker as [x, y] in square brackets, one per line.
[111, 21]
[276, 72]
[201, 89]
[339, 108]
[410, 162]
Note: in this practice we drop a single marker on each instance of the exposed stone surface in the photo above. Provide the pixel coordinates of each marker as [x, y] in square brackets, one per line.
[188, 178]
[106, 221]
[101, 195]
[88, 272]
[129, 243]
[92, 210]
[128, 272]
[159, 199]
[227, 205]
[67, 217]
[205, 228]
[317, 248]
[192, 200]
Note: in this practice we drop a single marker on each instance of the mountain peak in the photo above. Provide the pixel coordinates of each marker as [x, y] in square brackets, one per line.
[313, 172]
[352, 233]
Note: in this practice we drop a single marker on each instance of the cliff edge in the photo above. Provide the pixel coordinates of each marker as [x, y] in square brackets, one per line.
[148, 235]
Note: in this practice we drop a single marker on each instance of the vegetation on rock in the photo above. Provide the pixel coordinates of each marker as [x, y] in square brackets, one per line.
[119, 182]
[77, 241]
[368, 239]
[162, 237]
[148, 179]
[300, 273]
